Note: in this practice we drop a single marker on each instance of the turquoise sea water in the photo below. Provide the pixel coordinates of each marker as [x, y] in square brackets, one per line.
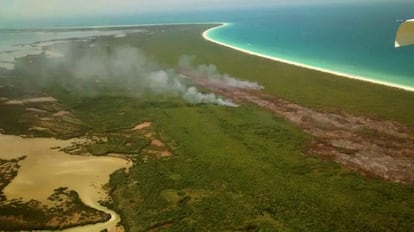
[355, 39]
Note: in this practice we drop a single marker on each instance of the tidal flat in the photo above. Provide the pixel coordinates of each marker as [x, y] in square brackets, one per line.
[239, 168]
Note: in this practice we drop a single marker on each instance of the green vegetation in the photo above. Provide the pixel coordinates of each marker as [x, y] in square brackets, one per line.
[117, 143]
[10, 115]
[300, 85]
[239, 168]
[166, 44]
[34, 215]
[8, 172]
[243, 169]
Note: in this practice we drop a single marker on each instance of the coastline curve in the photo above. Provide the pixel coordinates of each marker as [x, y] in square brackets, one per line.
[207, 37]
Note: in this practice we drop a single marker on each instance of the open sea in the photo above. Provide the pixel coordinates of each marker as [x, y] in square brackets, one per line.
[353, 38]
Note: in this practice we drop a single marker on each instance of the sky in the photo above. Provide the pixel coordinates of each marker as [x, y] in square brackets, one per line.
[55, 8]
[50, 13]
[34, 9]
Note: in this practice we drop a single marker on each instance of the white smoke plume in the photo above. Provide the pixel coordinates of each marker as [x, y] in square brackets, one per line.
[211, 73]
[192, 95]
[130, 70]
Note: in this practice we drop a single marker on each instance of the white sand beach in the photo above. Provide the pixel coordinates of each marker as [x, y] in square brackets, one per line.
[208, 38]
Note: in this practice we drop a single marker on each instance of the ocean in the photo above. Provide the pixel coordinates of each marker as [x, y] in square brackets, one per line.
[355, 39]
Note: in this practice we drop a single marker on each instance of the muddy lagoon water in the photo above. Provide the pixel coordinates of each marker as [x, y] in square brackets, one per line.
[46, 168]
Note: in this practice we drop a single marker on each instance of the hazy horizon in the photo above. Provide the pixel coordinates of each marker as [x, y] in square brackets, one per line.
[22, 13]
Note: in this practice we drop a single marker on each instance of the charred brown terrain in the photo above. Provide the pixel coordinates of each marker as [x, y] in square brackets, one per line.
[370, 146]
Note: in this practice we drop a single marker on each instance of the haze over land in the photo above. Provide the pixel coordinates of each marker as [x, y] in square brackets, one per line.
[21, 13]
[205, 126]
[48, 8]
[337, 36]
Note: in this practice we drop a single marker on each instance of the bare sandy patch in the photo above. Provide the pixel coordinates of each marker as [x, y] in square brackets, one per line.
[37, 128]
[160, 154]
[54, 54]
[30, 100]
[164, 154]
[142, 125]
[36, 110]
[120, 35]
[13, 102]
[157, 143]
[7, 65]
[61, 113]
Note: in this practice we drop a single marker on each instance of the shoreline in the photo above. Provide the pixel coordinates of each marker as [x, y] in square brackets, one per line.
[109, 224]
[111, 26]
[206, 36]
[111, 30]
[61, 169]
